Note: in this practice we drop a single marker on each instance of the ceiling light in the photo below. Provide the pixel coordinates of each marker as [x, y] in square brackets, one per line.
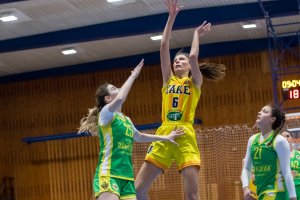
[120, 2]
[112, 1]
[157, 37]
[8, 18]
[13, 14]
[246, 26]
[69, 51]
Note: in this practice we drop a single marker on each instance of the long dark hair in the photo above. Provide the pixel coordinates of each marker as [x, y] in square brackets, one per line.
[279, 122]
[89, 123]
[211, 71]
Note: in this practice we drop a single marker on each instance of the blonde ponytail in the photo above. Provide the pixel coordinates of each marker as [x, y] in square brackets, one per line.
[89, 124]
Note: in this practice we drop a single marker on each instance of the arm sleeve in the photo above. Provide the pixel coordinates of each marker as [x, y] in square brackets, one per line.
[246, 171]
[105, 116]
[283, 151]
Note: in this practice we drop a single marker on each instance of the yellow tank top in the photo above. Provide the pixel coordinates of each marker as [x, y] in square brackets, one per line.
[179, 100]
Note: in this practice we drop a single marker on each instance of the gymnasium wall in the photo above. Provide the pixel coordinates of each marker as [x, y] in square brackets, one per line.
[63, 169]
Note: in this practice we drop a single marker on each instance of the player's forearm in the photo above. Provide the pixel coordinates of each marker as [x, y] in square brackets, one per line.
[245, 177]
[144, 137]
[194, 53]
[167, 32]
[289, 182]
[124, 90]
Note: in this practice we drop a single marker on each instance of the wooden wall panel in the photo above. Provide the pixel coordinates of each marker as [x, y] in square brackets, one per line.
[245, 89]
[64, 169]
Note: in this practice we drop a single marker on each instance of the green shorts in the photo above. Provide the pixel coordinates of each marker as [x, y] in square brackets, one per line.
[274, 196]
[123, 188]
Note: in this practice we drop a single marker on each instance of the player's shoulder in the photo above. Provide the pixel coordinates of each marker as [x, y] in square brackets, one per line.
[251, 139]
[280, 139]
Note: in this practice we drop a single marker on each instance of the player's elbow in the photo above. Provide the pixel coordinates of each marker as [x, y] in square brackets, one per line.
[193, 56]
[164, 44]
[120, 99]
[138, 137]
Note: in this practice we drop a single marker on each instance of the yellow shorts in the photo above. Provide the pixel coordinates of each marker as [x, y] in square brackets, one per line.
[252, 188]
[162, 154]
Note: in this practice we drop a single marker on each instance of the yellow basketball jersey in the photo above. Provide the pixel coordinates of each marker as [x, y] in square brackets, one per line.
[179, 100]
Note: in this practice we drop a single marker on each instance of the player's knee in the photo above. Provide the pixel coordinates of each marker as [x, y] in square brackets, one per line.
[140, 195]
[192, 195]
[140, 190]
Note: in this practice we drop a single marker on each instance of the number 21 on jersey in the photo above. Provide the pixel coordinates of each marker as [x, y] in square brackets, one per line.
[257, 152]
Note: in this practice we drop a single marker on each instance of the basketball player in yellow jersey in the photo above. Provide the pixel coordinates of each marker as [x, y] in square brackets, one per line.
[180, 95]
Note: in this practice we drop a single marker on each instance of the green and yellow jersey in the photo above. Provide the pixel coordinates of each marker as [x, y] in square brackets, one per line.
[116, 142]
[295, 165]
[268, 176]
